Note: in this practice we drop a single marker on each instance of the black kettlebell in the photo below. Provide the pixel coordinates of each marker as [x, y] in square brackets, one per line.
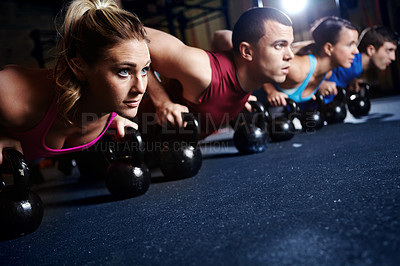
[313, 119]
[281, 127]
[21, 210]
[335, 111]
[251, 132]
[180, 156]
[359, 103]
[127, 176]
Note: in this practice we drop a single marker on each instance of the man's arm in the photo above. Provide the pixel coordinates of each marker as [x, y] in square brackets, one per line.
[166, 110]
[173, 59]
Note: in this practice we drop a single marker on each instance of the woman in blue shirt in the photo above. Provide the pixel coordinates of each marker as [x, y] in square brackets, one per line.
[377, 48]
[335, 45]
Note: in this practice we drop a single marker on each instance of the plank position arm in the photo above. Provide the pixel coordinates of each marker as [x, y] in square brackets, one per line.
[175, 60]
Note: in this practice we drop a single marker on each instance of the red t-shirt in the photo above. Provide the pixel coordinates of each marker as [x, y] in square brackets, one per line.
[221, 101]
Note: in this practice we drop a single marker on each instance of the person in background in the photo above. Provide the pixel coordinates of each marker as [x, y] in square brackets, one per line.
[216, 86]
[335, 44]
[377, 46]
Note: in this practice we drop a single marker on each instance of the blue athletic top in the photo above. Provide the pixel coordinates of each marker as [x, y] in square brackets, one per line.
[342, 76]
[295, 93]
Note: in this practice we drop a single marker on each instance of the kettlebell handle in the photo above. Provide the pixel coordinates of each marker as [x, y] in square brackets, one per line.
[130, 148]
[292, 106]
[190, 133]
[320, 100]
[262, 115]
[15, 164]
[341, 94]
[364, 89]
[256, 106]
[291, 109]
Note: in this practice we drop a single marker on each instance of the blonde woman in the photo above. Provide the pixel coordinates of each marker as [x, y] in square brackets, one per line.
[98, 81]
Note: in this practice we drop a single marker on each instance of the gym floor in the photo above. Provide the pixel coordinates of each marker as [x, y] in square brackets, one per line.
[330, 197]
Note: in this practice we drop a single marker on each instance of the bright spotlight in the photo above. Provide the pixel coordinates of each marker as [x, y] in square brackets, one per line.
[294, 6]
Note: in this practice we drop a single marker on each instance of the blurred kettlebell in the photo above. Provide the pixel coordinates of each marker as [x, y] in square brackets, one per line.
[180, 156]
[335, 111]
[251, 132]
[313, 119]
[359, 103]
[281, 128]
[21, 210]
[127, 176]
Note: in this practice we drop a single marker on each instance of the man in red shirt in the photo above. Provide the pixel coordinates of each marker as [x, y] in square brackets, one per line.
[216, 86]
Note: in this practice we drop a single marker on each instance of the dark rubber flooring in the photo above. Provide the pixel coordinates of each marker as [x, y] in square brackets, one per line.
[331, 197]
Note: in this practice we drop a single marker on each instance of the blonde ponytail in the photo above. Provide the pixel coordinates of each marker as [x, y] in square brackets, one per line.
[78, 8]
[90, 28]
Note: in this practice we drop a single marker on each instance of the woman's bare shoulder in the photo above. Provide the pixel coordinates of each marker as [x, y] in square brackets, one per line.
[299, 68]
[19, 79]
[22, 93]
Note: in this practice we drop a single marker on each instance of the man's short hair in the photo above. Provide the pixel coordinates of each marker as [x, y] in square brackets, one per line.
[376, 36]
[250, 25]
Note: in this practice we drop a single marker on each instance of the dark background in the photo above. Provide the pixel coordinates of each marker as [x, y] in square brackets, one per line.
[27, 27]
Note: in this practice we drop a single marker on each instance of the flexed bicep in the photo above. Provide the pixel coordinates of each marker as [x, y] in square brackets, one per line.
[171, 58]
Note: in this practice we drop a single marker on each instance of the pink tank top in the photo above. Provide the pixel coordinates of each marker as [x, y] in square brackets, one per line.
[34, 141]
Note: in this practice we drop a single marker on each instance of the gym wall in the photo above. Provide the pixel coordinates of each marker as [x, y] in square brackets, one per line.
[26, 25]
